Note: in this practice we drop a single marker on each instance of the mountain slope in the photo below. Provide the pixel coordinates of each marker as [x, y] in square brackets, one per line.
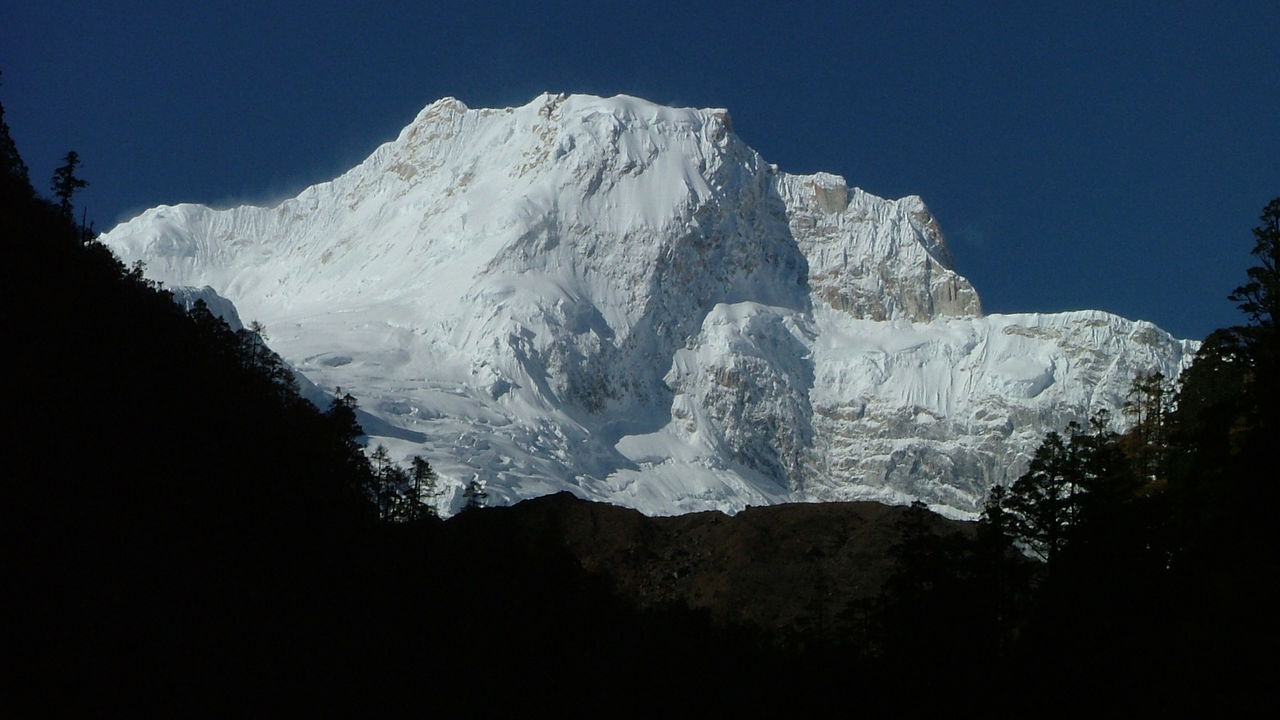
[626, 301]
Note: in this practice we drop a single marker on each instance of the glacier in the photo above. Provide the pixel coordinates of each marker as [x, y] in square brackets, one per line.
[624, 300]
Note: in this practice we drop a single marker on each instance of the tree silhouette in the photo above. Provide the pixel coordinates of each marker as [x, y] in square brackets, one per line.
[384, 477]
[476, 496]
[1227, 415]
[423, 489]
[1073, 488]
[13, 171]
[255, 337]
[1146, 404]
[342, 417]
[1260, 297]
[1040, 505]
[65, 183]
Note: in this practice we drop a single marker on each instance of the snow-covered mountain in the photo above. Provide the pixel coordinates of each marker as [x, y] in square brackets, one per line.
[626, 301]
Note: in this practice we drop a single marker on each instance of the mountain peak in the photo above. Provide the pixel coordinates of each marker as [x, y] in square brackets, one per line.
[624, 300]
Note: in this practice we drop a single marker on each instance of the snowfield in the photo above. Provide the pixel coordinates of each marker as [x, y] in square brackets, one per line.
[624, 300]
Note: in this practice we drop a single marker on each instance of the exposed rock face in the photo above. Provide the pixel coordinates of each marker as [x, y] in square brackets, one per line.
[872, 258]
[624, 300]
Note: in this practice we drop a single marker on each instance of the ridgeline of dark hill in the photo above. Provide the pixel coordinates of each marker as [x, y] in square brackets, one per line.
[788, 571]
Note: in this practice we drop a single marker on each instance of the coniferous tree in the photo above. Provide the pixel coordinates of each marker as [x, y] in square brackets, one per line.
[1073, 487]
[1227, 419]
[341, 422]
[384, 476]
[1040, 504]
[1260, 297]
[1146, 405]
[1227, 413]
[14, 179]
[65, 182]
[1102, 476]
[255, 337]
[475, 496]
[1260, 300]
[424, 488]
[342, 418]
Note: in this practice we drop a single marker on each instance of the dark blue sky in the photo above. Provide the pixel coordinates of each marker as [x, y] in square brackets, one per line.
[1111, 157]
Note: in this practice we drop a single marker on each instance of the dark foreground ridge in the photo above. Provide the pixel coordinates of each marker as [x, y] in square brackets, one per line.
[792, 572]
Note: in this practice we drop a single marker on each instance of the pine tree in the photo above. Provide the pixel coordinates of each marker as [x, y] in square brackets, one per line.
[255, 337]
[384, 477]
[1040, 502]
[1260, 297]
[65, 183]
[476, 496]
[424, 488]
[1227, 415]
[1146, 404]
[342, 418]
[14, 180]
